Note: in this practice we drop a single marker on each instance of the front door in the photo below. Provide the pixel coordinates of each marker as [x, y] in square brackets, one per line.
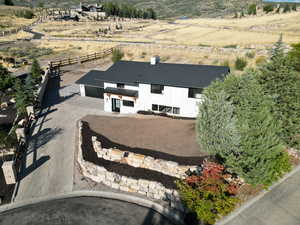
[115, 105]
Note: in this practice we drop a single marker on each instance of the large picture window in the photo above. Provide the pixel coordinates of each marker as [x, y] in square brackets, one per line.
[128, 103]
[157, 89]
[195, 92]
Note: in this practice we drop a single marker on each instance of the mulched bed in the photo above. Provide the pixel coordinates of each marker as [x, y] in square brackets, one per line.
[162, 138]
[90, 155]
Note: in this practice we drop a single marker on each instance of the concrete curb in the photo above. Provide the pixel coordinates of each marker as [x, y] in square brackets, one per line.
[249, 203]
[166, 212]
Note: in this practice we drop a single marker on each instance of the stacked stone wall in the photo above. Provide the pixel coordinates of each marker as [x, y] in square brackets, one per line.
[151, 189]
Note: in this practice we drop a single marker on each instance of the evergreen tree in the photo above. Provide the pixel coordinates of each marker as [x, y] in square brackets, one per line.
[294, 54]
[8, 2]
[252, 9]
[280, 80]
[6, 80]
[217, 126]
[258, 156]
[24, 94]
[36, 71]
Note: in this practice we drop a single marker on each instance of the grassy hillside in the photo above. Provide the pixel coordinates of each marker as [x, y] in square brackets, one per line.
[164, 8]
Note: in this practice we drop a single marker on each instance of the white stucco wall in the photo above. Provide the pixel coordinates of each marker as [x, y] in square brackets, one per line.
[123, 109]
[171, 96]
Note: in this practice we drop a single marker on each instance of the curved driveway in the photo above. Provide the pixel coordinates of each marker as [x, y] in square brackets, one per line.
[83, 211]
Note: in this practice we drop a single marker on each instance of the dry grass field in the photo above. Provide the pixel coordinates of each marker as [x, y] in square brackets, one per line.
[9, 21]
[257, 32]
[195, 41]
[245, 32]
[87, 29]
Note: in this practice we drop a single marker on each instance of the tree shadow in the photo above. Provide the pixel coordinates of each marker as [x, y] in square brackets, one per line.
[41, 138]
[52, 95]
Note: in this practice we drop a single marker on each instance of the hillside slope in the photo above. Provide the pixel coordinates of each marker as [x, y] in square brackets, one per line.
[164, 8]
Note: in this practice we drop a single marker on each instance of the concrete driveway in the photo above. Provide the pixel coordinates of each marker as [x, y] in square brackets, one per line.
[48, 166]
[280, 206]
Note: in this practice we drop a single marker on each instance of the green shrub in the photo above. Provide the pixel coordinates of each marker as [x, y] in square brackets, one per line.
[36, 71]
[252, 9]
[294, 7]
[294, 54]
[210, 196]
[6, 80]
[268, 8]
[250, 55]
[286, 8]
[27, 14]
[203, 45]
[240, 63]
[117, 55]
[260, 60]
[24, 95]
[7, 141]
[230, 46]
[225, 63]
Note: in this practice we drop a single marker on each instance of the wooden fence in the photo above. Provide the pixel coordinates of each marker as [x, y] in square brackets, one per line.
[80, 59]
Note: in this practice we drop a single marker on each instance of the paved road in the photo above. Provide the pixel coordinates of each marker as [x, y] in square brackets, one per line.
[48, 166]
[281, 206]
[83, 211]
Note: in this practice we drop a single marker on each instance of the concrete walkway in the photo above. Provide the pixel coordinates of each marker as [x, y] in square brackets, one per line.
[280, 206]
[48, 166]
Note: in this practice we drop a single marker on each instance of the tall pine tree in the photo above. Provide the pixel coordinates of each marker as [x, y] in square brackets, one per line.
[280, 80]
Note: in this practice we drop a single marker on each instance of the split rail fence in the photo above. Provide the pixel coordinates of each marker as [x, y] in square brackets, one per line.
[80, 59]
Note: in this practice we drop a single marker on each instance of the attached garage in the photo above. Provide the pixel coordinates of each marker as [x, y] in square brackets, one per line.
[91, 85]
[95, 92]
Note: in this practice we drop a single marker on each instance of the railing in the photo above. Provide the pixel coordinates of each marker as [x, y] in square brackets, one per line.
[80, 59]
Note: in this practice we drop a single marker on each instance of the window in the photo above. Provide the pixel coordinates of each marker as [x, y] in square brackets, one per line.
[195, 92]
[161, 108]
[165, 109]
[120, 85]
[128, 103]
[176, 110]
[157, 89]
[154, 107]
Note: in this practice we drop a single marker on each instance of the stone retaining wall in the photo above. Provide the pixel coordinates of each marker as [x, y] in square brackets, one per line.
[151, 189]
[138, 160]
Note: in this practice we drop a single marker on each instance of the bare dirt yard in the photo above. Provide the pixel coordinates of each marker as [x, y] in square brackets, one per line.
[147, 135]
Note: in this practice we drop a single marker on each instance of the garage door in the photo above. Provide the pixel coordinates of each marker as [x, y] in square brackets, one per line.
[94, 92]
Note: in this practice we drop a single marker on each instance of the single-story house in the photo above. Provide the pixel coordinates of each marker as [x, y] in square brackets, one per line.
[129, 87]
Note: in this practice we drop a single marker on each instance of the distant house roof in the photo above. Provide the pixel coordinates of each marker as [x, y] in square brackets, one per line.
[178, 75]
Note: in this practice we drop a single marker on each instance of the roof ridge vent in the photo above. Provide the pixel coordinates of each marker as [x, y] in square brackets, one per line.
[154, 60]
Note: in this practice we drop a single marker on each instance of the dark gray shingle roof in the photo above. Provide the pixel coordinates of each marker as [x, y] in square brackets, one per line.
[178, 75]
